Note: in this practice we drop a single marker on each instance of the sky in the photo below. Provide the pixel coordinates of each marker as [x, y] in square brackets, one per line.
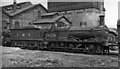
[111, 6]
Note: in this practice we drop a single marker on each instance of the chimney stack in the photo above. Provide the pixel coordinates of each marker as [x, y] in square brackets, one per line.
[102, 20]
[14, 6]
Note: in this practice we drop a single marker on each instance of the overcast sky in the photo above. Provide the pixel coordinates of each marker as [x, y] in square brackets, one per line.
[111, 6]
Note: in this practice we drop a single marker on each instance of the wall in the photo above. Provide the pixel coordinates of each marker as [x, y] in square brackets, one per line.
[9, 8]
[91, 16]
[67, 5]
[5, 22]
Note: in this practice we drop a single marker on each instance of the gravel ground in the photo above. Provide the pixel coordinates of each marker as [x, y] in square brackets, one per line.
[16, 57]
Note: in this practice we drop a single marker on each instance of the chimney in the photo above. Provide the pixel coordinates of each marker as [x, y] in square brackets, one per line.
[14, 6]
[102, 19]
[39, 14]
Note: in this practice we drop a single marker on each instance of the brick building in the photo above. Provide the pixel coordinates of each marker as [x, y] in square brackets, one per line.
[81, 14]
[52, 21]
[21, 14]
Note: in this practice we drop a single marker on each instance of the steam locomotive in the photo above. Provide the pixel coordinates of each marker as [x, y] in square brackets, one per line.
[91, 40]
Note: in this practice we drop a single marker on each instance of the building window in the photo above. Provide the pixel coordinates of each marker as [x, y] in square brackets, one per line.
[17, 25]
[23, 34]
[5, 27]
[82, 24]
[60, 24]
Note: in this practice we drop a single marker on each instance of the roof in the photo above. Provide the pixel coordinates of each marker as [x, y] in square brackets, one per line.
[2, 11]
[28, 27]
[49, 14]
[48, 20]
[66, 6]
[17, 4]
[26, 8]
[6, 13]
